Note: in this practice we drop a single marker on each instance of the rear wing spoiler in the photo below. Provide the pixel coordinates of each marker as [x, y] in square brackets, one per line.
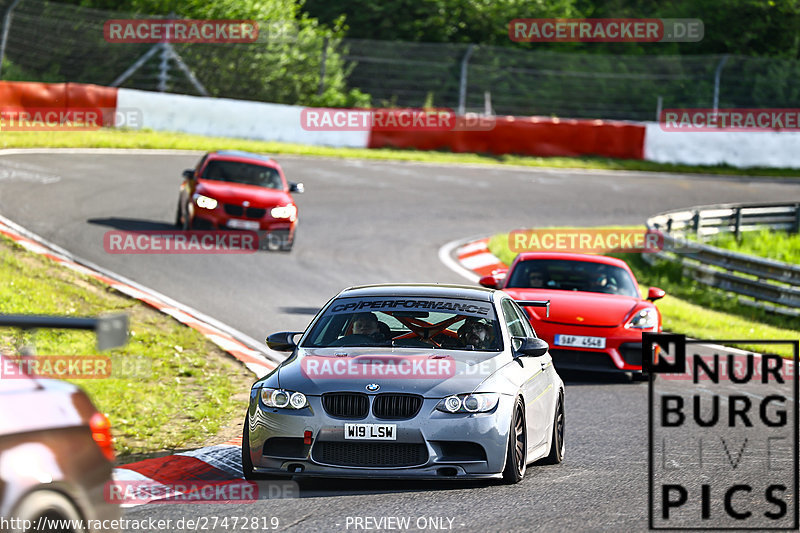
[111, 331]
[535, 303]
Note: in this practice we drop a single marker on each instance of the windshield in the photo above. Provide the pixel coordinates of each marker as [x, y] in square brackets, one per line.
[565, 275]
[246, 173]
[416, 322]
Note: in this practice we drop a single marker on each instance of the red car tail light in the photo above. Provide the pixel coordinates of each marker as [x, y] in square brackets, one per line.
[101, 433]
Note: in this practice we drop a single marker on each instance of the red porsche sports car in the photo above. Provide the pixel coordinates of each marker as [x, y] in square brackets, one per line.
[239, 190]
[597, 314]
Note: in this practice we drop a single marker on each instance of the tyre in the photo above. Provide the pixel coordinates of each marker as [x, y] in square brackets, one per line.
[286, 241]
[50, 507]
[517, 449]
[178, 217]
[247, 462]
[186, 225]
[557, 444]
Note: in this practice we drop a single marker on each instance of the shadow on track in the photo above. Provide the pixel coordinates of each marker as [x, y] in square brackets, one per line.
[325, 487]
[131, 224]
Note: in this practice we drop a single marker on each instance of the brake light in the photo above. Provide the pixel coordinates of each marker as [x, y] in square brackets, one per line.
[101, 433]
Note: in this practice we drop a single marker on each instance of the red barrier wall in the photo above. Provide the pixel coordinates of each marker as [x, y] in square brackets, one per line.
[538, 136]
[527, 136]
[83, 95]
[30, 95]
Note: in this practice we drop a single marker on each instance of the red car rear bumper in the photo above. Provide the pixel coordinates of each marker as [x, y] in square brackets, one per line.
[622, 352]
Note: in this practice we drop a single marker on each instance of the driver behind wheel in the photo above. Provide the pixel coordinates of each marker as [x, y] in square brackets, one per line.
[603, 281]
[367, 324]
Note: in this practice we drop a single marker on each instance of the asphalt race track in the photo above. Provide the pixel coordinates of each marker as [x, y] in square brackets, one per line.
[367, 222]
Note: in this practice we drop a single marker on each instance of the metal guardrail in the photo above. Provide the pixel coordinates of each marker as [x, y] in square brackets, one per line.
[774, 285]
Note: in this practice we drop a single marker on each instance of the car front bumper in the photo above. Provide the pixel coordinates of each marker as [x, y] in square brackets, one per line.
[217, 218]
[440, 445]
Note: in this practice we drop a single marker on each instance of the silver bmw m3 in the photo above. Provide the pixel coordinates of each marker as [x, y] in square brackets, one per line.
[408, 381]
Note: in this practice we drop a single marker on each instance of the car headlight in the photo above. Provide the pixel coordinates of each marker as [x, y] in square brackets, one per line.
[286, 211]
[480, 402]
[205, 202]
[644, 319]
[283, 399]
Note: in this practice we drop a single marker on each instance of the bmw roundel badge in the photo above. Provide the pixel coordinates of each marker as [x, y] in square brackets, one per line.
[373, 387]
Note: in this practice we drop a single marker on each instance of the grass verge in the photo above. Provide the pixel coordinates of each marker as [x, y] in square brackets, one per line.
[177, 389]
[111, 138]
[777, 245]
[692, 308]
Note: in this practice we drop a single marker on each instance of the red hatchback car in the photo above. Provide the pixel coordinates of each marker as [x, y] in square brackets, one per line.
[239, 190]
[597, 314]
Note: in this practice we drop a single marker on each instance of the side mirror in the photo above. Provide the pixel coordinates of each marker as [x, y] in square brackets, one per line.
[532, 346]
[188, 174]
[299, 188]
[489, 281]
[283, 341]
[654, 293]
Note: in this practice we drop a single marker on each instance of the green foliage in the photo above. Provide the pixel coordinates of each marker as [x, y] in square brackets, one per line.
[744, 27]
[13, 72]
[777, 245]
[285, 65]
[443, 21]
[201, 9]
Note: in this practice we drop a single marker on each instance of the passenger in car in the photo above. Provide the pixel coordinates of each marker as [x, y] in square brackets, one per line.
[475, 333]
